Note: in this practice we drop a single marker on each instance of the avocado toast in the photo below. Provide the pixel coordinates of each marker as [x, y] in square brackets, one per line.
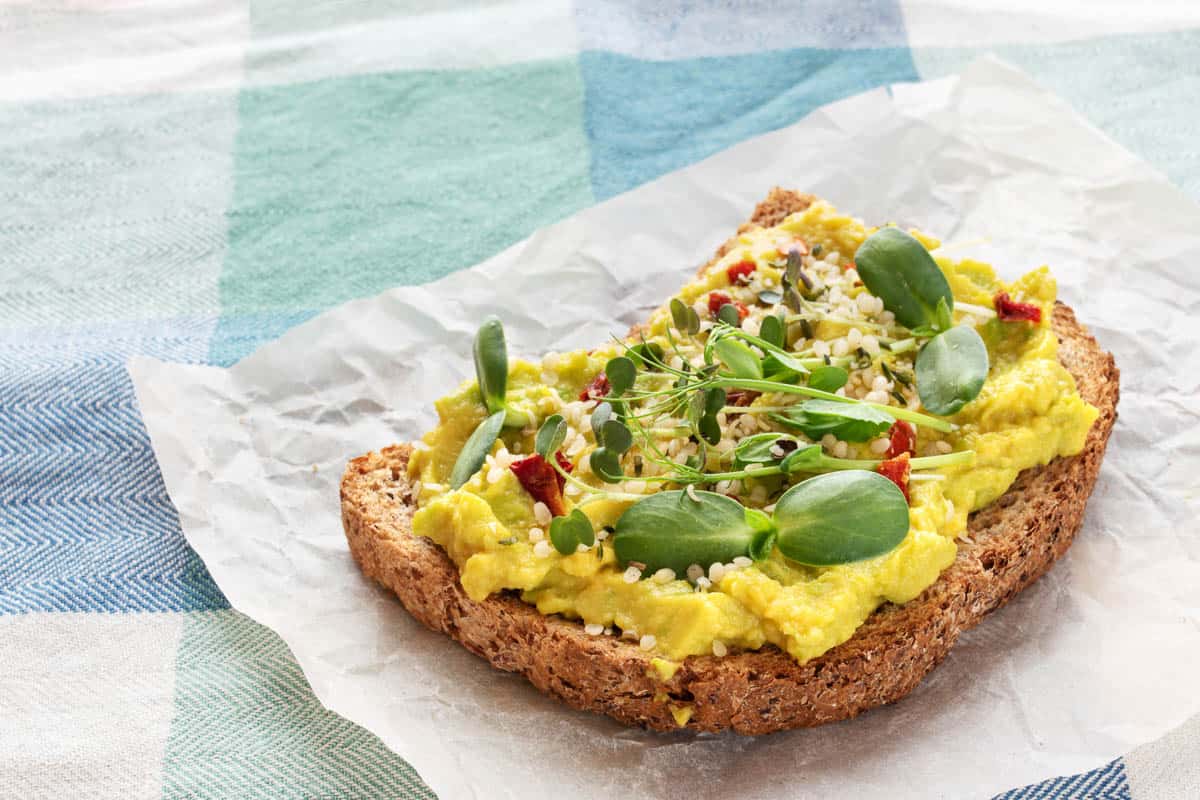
[1005, 545]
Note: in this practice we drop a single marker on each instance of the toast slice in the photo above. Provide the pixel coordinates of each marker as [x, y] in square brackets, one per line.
[1011, 543]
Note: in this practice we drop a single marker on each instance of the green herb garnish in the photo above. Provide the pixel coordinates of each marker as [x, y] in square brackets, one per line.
[550, 435]
[570, 531]
[491, 364]
[830, 519]
[685, 318]
[951, 369]
[771, 330]
[846, 421]
[612, 439]
[828, 379]
[621, 372]
[676, 529]
[475, 451]
[897, 269]
[952, 366]
[839, 518]
[739, 358]
[491, 372]
[728, 314]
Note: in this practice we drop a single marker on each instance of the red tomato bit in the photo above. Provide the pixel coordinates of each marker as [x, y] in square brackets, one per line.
[901, 439]
[541, 481]
[718, 299]
[599, 387]
[740, 272]
[1010, 310]
[897, 471]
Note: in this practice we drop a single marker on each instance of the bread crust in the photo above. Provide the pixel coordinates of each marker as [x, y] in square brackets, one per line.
[1012, 542]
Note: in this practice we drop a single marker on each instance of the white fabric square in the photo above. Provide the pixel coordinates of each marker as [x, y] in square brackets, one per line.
[86, 702]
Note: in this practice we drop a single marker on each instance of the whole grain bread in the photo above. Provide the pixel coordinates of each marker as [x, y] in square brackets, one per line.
[1011, 543]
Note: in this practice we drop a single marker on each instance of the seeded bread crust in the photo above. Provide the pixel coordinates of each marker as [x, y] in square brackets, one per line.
[1012, 543]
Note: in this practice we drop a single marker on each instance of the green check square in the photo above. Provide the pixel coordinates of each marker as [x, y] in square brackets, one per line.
[247, 725]
[347, 186]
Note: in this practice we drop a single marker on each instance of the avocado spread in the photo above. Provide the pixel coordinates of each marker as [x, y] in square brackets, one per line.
[805, 273]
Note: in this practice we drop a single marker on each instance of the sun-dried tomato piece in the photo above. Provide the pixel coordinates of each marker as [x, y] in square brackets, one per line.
[897, 471]
[1009, 310]
[599, 387]
[541, 481]
[565, 464]
[901, 439]
[718, 299]
[742, 269]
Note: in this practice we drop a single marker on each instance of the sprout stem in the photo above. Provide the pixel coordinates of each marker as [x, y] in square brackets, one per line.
[981, 311]
[787, 388]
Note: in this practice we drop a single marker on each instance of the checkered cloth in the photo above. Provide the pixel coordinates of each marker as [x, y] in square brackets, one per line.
[188, 179]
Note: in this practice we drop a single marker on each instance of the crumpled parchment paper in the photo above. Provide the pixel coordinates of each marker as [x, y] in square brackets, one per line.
[1094, 659]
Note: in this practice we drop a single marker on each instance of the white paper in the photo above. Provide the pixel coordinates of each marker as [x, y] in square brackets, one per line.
[1094, 659]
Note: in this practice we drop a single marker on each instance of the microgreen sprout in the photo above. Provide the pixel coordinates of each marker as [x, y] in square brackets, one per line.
[952, 366]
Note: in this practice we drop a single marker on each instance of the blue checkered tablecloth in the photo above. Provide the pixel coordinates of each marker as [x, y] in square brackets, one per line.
[187, 179]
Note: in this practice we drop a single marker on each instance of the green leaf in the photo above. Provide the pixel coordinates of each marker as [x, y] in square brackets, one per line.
[696, 405]
[647, 355]
[840, 517]
[898, 270]
[684, 317]
[850, 422]
[786, 362]
[475, 451]
[702, 410]
[714, 401]
[607, 465]
[600, 415]
[828, 379]
[673, 530]
[774, 371]
[710, 430]
[621, 372]
[757, 449]
[771, 330]
[570, 531]
[951, 369]
[806, 459]
[739, 358]
[491, 363]
[550, 436]
[678, 314]
[615, 436]
[728, 314]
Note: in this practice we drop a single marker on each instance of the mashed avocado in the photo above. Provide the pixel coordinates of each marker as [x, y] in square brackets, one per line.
[1027, 413]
